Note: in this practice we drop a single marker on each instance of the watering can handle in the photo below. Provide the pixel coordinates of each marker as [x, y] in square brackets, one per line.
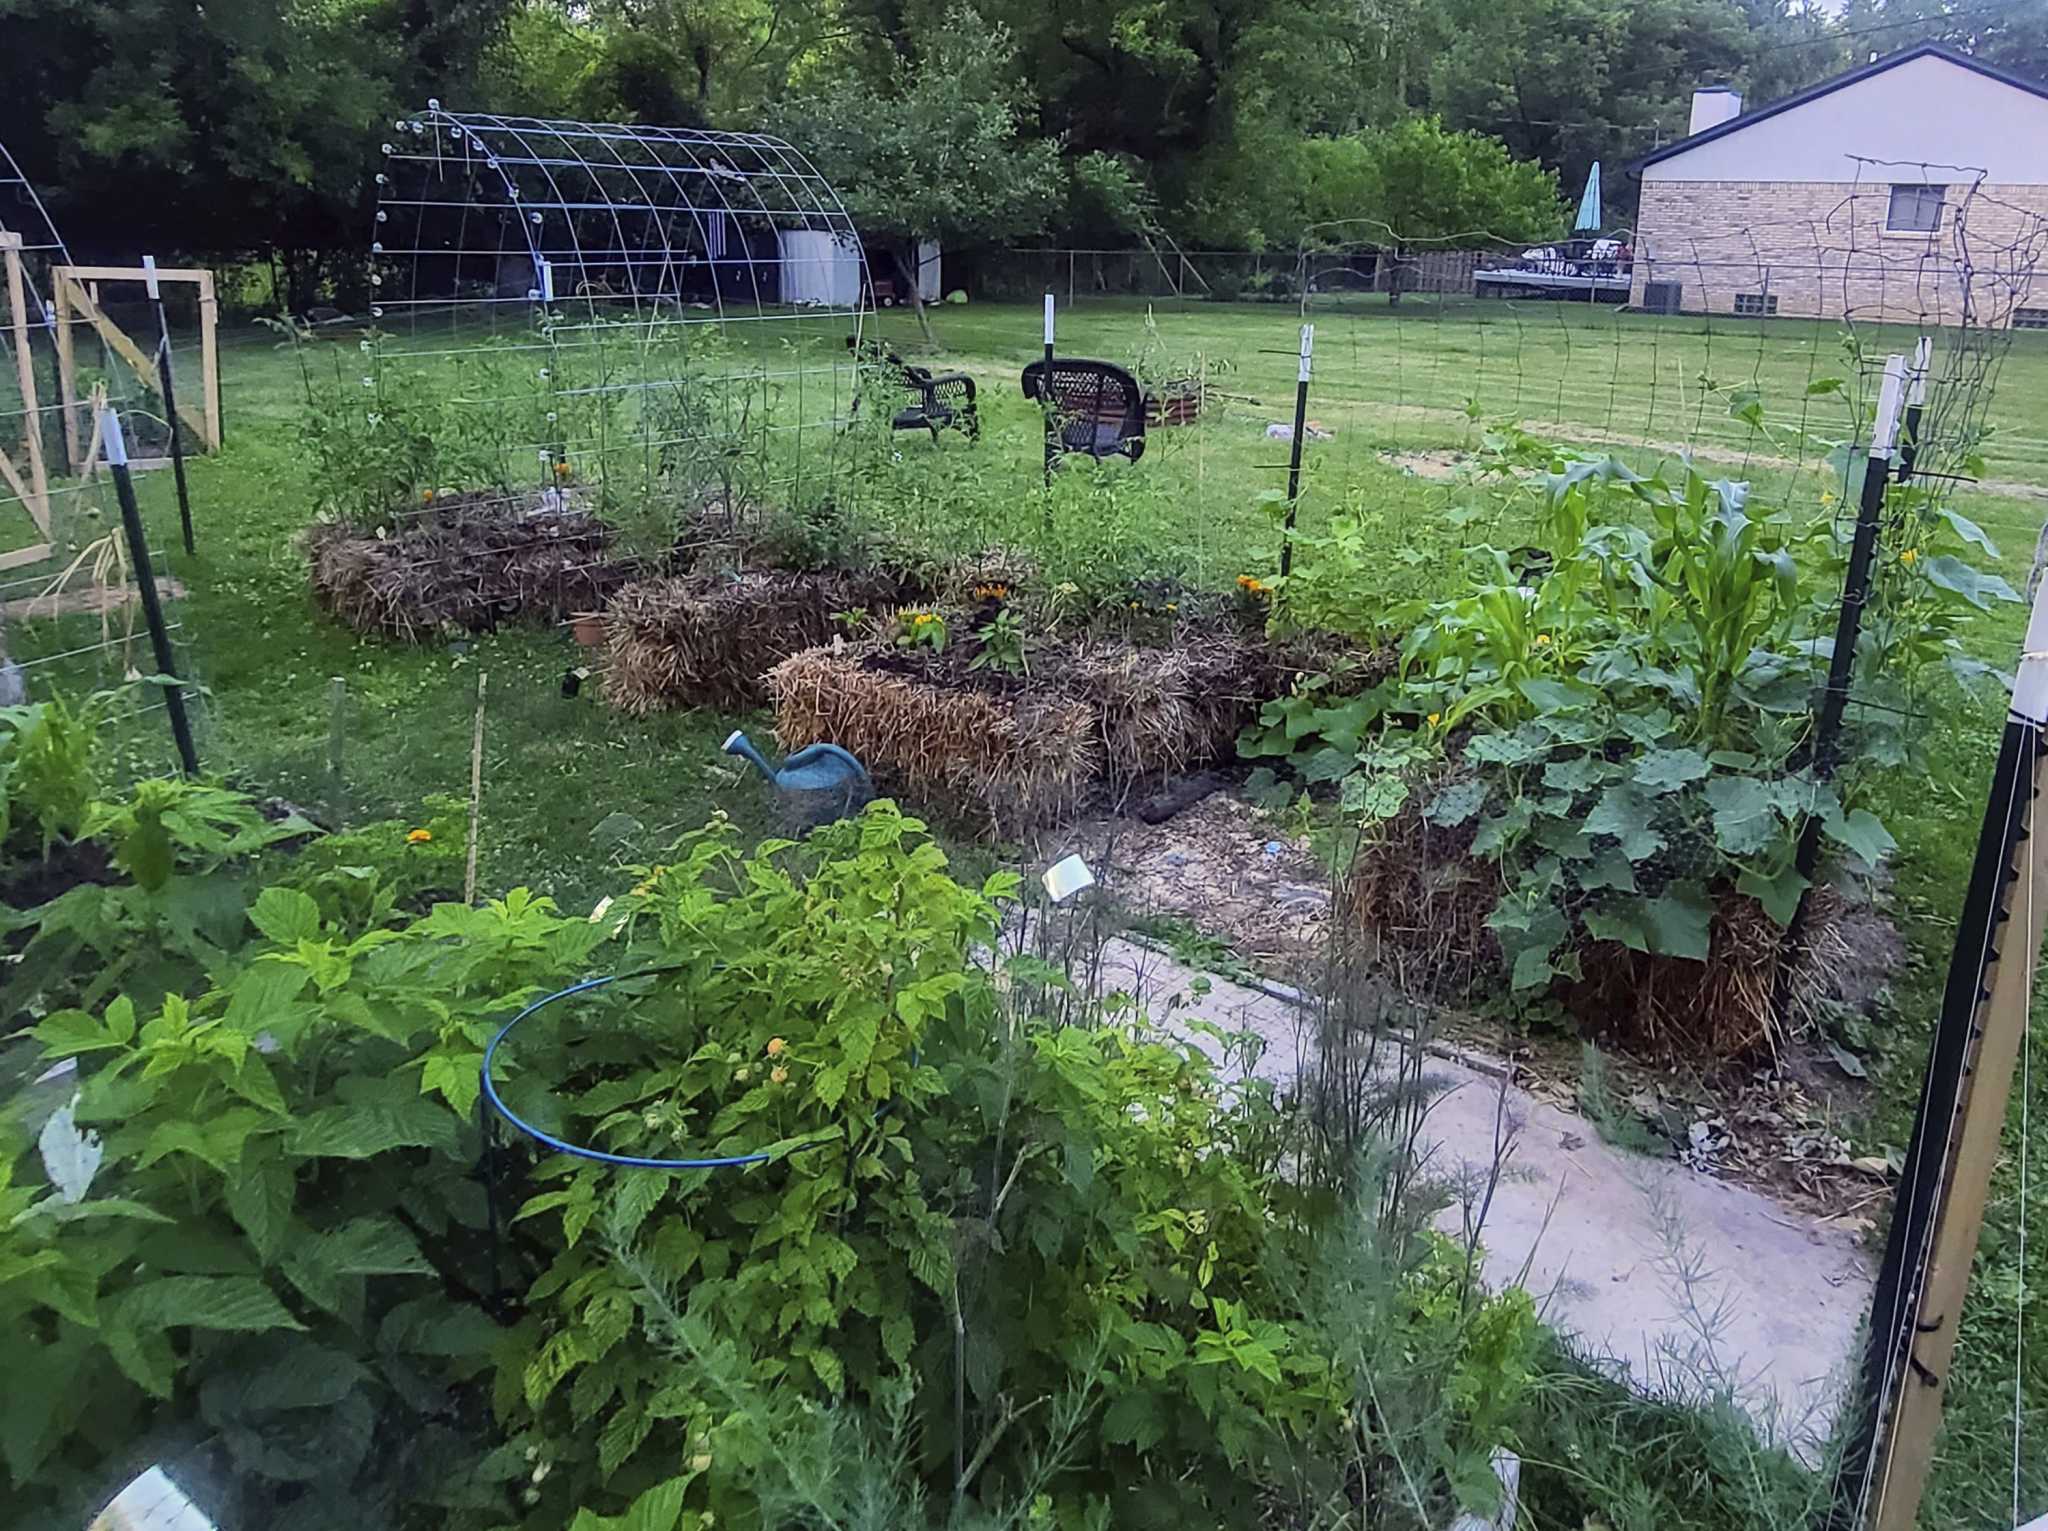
[837, 753]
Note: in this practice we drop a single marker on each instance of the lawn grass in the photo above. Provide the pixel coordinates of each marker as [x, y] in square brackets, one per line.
[573, 788]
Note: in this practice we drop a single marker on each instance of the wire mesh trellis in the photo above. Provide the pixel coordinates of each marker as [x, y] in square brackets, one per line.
[70, 621]
[602, 331]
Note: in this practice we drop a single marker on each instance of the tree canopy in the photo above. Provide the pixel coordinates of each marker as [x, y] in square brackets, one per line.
[252, 125]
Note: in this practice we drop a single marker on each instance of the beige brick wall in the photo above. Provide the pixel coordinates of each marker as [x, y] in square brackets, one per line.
[1822, 249]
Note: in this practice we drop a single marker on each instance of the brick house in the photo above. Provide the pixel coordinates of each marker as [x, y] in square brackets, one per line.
[1913, 191]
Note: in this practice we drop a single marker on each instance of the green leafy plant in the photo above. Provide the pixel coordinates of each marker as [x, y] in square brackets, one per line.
[921, 630]
[1004, 647]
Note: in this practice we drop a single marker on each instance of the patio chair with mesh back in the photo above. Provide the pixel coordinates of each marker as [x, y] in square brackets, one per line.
[1098, 407]
[940, 400]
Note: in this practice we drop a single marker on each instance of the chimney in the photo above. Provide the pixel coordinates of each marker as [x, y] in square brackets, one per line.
[1713, 105]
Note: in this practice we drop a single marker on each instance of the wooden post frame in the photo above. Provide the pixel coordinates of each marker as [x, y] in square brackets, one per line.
[1939, 1212]
[77, 294]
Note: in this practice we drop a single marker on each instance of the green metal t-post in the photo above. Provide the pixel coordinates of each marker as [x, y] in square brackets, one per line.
[115, 445]
[1308, 346]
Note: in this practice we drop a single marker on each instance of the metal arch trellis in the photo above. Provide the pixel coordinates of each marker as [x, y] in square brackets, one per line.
[647, 318]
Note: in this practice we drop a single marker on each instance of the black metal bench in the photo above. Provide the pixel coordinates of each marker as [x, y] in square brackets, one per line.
[943, 400]
[1098, 408]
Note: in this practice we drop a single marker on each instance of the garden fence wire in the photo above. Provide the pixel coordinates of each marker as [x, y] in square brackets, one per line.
[70, 613]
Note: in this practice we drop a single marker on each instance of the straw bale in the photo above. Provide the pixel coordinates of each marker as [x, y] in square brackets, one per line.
[708, 640]
[1018, 756]
[470, 563]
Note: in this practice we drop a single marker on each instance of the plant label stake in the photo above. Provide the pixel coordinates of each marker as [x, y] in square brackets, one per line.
[1301, 376]
[1938, 1211]
[116, 448]
[1827, 730]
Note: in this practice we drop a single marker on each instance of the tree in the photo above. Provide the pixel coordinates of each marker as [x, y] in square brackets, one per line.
[939, 151]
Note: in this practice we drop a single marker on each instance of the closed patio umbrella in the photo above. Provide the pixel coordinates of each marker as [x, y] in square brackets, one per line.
[1589, 204]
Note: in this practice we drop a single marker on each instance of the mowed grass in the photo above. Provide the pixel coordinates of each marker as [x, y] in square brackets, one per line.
[572, 788]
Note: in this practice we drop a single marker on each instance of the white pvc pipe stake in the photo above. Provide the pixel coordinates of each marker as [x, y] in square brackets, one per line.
[1308, 349]
[112, 442]
[1048, 318]
[1884, 434]
[547, 281]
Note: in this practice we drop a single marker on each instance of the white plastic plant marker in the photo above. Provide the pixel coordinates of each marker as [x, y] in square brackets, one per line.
[1063, 879]
[1308, 352]
[70, 1157]
[1048, 318]
[149, 282]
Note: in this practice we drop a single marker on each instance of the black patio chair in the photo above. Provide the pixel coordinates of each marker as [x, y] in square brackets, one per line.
[943, 400]
[1098, 407]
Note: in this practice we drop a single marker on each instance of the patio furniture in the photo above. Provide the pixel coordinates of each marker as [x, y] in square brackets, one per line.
[942, 400]
[1098, 408]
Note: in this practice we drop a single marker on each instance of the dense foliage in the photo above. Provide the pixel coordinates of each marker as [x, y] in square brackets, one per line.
[1041, 1271]
[1618, 716]
[252, 126]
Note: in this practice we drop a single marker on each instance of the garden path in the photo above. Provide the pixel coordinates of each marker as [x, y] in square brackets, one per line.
[1684, 1280]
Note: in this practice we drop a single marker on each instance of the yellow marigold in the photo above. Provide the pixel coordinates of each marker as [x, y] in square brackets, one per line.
[779, 1075]
[419, 837]
[1909, 555]
[426, 496]
[1435, 718]
[776, 1047]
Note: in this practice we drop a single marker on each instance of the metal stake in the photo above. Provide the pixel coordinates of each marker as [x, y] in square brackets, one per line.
[1849, 623]
[1308, 346]
[116, 448]
[163, 372]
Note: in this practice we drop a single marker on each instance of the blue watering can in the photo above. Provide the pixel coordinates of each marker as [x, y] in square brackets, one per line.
[819, 783]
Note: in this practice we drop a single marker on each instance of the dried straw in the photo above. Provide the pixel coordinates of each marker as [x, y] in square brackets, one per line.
[1019, 758]
[708, 640]
[469, 564]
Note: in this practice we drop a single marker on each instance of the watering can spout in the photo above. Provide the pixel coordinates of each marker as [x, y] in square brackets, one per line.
[737, 743]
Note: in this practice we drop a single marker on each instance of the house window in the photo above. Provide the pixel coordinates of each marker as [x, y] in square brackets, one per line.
[1756, 303]
[1914, 209]
[2030, 318]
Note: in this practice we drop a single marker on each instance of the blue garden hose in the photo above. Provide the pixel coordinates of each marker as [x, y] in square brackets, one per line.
[577, 1150]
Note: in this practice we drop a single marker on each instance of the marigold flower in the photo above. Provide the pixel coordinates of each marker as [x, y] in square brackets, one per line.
[561, 470]
[419, 837]
[1434, 718]
[776, 1047]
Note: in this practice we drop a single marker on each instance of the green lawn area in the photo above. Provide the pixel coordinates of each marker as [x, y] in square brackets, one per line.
[571, 788]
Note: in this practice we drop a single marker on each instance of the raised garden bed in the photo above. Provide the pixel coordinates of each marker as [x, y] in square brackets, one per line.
[1424, 899]
[466, 563]
[1092, 717]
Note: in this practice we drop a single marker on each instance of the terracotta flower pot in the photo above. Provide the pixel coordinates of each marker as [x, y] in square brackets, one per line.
[588, 628]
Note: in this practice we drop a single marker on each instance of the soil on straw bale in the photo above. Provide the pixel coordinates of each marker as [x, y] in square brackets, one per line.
[470, 563]
[1016, 757]
[709, 640]
[1417, 891]
[1021, 751]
